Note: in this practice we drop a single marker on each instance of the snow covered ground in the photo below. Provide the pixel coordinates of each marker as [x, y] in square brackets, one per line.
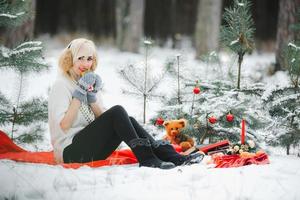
[278, 180]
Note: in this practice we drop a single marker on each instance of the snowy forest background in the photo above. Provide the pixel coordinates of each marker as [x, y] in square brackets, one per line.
[204, 60]
[262, 27]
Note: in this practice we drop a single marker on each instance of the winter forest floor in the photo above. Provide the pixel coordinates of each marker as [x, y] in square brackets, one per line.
[278, 180]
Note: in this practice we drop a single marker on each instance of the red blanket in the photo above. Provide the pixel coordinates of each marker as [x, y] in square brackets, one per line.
[9, 150]
[238, 161]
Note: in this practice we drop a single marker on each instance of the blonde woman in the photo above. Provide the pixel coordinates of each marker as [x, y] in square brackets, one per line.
[82, 131]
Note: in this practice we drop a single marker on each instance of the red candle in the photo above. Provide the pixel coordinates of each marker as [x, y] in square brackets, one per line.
[243, 132]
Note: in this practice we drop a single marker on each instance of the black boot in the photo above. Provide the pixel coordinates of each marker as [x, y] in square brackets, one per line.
[165, 151]
[142, 150]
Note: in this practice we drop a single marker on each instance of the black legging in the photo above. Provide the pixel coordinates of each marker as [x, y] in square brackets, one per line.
[100, 138]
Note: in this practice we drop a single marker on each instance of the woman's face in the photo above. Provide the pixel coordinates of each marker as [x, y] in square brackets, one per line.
[82, 64]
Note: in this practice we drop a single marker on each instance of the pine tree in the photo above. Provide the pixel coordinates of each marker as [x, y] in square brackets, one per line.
[283, 103]
[141, 83]
[238, 31]
[24, 59]
[217, 97]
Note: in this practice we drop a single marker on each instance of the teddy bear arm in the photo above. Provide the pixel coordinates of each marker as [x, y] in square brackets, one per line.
[177, 141]
[185, 146]
[191, 141]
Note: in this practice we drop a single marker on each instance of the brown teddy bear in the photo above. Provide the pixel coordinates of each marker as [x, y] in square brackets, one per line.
[173, 128]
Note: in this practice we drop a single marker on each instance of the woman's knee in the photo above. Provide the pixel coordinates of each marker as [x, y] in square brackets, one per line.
[118, 109]
[132, 119]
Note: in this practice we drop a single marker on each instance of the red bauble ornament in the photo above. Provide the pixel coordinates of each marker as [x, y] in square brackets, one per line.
[212, 120]
[229, 117]
[196, 90]
[159, 121]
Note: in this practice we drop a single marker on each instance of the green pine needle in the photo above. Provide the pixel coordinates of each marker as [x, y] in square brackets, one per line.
[14, 13]
[237, 33]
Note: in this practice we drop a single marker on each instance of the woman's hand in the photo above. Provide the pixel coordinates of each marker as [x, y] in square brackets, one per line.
[85, 84]
[91, 95]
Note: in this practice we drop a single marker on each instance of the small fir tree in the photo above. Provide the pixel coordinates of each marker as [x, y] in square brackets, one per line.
[219, 100]
[283, 104]
[141, 83]
[203, 100]
[24, 59]
[237, 33]
[219, 109]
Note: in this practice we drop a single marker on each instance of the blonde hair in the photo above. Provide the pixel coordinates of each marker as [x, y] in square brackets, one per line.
[66, 59]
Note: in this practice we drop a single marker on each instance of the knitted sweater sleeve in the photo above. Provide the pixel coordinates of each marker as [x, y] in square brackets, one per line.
[58, 103]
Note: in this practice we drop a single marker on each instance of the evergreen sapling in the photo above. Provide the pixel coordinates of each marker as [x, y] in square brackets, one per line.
[237, 32]
[24, 59]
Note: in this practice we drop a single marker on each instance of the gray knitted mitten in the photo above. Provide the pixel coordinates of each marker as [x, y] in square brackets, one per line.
[91, 96]
[85, 84]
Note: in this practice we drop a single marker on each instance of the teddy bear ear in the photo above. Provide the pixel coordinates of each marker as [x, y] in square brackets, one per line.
[183, 122]
[166, 123]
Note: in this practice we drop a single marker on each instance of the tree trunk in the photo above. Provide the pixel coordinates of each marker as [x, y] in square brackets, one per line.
[286, 17]
[65, 10]
[16, 35]
[173, 23]
[288, 149]
[80, 18]
[121, 22]
[130, 20]
[208, 26]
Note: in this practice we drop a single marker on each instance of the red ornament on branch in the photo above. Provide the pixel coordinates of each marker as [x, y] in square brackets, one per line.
[196, 90]
[159, 121]
[229, 117]
[212, 120]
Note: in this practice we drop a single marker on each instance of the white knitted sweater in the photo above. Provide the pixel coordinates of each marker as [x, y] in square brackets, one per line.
[59, 100]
